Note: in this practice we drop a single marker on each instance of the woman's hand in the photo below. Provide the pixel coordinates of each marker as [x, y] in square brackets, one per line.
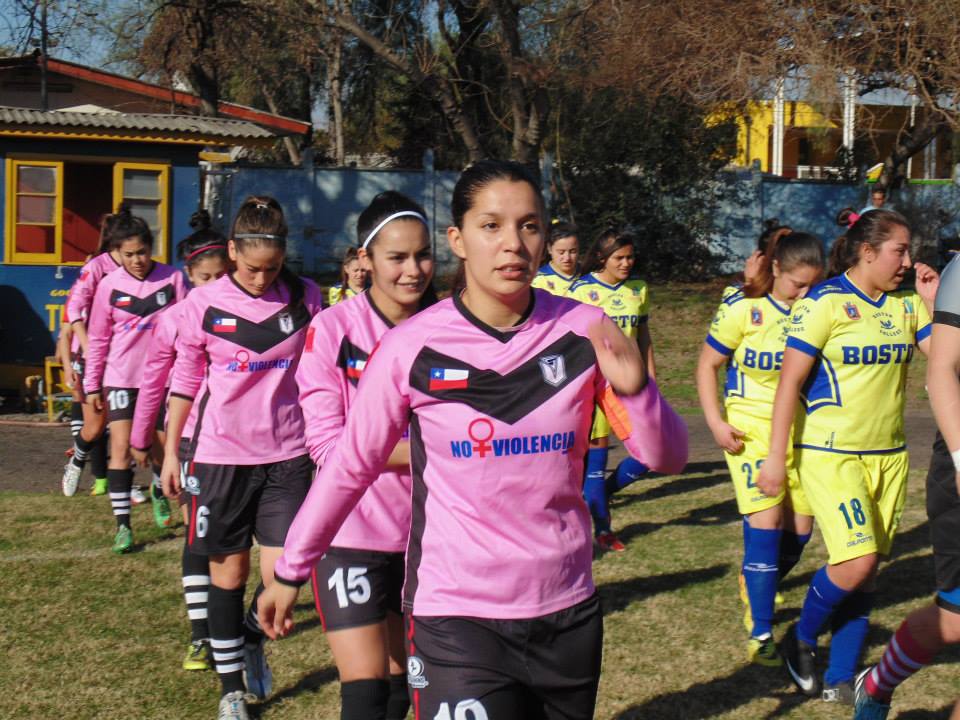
[728, 437]
[928, 280]
[752, 267]
[95, 401]
[141, 457]
[619, 358]
[69, 376]
[275, 609]
[771, 478]
[170, 476]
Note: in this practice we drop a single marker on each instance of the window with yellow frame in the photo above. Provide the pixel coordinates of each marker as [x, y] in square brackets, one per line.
[36, 212]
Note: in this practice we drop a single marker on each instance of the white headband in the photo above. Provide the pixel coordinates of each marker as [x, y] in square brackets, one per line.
[402, 213]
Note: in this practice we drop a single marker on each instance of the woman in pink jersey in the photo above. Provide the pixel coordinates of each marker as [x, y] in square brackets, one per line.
[204, 257]
[357, 583]
[125, 310]
[497, 386]
[87, 425]
[240, 341]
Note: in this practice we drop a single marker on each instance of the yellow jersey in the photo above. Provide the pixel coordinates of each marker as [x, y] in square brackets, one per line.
[553, 282]
[854, 397]
[752, 332]
[626, 303]
[338, 292]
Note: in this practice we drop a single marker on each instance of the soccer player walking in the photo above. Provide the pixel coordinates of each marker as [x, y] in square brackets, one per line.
[560, 270]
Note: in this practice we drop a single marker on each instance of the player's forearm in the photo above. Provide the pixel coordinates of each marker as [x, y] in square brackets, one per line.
[708, 392]
[178, 410]
[784, 409]
[943, 385]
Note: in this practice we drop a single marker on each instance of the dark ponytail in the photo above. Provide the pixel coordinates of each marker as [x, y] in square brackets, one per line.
[121, 226]
[204, 242]
[872, 228]
[789, 250]
[260, 221]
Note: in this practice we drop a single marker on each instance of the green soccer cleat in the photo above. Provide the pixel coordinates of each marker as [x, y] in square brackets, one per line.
[99, 487]
[161, 511]
[198, 656]
[123, 540]
[763, 651]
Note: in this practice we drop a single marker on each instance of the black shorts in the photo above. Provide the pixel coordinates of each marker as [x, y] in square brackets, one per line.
[232, 504]
[353, 588]
[120, 403]
[545, 668]
[943, 510]
[79, 365]
[188, 481]
[161, 424]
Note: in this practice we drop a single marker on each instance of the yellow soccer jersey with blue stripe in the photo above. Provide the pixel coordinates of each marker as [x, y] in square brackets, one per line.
[854, 397]
[553, 282]
[752, 332]
[626, 303]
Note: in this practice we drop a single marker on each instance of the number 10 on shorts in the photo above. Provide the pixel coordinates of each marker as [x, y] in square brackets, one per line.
[465, 710]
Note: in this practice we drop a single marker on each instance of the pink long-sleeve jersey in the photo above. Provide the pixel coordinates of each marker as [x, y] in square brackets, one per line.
[248, 349]
[156, 380]
[80, 297]
[499, 425]
[124, 312]
[339, 343]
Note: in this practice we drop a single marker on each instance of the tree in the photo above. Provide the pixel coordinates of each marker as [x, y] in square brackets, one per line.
[703, 51]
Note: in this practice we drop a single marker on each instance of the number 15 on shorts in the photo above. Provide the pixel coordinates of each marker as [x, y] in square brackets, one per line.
[354, 588]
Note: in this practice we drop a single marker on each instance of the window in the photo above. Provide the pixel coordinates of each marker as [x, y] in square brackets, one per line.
[54, 207]
[34, 207]
[143, 188]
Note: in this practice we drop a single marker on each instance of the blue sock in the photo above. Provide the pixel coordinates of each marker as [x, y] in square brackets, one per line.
[822, 599]
[594, 491]
[628, 472]
[850, 624]
[791, 548]
[760, 574]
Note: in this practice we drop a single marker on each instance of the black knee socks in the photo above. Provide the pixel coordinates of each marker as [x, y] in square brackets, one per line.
[98, 456]
[252, 632]
[399, 703]
[76, 418]
[196, 588]
[225, 617]
[364, 699]
[119, 482]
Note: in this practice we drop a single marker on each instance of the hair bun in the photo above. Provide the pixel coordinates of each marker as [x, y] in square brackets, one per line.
[123, 210]
[200, 220]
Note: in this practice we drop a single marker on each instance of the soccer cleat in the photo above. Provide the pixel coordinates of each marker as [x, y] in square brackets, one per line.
[198, 656]
[71, 479]
[763, 651]
[99, 487]
[841, 693]
[864, 706]
[136, 496]
[801, 662]
[257, 672]
[161, 511]
[608, 541]
[233, 706]
[123, 540]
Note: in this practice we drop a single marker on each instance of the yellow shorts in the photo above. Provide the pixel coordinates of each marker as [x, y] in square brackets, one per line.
[857, 500]
[601, 426]
[745, 466]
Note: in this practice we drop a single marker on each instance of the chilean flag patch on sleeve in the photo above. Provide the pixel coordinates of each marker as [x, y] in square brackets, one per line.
[124, 300]
[355, 368]
[448, 379]
[224, 325]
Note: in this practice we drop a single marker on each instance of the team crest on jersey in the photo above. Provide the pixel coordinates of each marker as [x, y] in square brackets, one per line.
[553, 369]
[616, 302]
[550, 285]
[161, 298]
[594, 296]
[756, 316]
[415, 676]
[852, 311]
[286, 322]
[888, 327]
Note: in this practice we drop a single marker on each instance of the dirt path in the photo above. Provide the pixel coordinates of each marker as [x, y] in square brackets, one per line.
[31, 458]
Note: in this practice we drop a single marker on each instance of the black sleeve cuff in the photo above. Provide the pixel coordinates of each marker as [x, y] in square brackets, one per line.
[942, 317]
[182, 397]
[289, 583]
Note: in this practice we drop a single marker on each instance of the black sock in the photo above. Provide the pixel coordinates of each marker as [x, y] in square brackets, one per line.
[119, 482]
[791, 548]
[76, 418]
[155, 486]
[252, 632]
[98, 457]
[364, 700]
[196, 588]
[399, 703]
[81, 450]
[225, 617]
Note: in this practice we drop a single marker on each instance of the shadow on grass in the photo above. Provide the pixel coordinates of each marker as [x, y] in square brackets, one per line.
[941, 714]
[719, 696]
[139, 547]
[682, 483]
[720, 513]
[308, 683]
[618, 595]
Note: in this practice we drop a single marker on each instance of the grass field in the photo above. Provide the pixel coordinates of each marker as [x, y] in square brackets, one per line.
[89, 635]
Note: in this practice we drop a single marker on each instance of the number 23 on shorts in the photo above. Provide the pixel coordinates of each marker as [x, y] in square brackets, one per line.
[748, 470]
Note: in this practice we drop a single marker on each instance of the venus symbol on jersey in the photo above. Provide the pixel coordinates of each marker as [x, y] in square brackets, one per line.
[481, 441]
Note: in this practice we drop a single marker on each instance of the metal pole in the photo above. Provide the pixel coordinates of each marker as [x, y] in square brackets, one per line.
[778, 129]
